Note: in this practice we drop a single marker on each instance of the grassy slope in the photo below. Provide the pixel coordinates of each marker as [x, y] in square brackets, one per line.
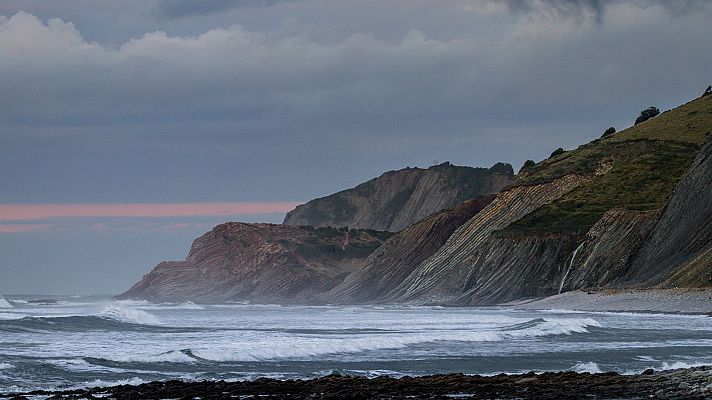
[647, 162]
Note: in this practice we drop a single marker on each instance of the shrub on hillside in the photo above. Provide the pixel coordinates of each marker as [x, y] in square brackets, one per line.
[528, 166]
[646, 114]
[557, 152]
[609, 132]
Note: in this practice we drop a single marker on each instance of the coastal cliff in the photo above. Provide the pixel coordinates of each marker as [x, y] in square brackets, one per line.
[586, 218]
[259, 262]
[679, 250]
[387, 267]
[628, 210]
[398, 199]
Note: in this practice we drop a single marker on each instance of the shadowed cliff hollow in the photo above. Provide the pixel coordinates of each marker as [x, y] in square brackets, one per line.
[259, 262]
[397, 199]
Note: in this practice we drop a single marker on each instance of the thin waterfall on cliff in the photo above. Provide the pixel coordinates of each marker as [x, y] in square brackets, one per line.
[571, 263]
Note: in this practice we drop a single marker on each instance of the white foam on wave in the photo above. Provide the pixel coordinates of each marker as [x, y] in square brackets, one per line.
[4, 365]
[80, 365]
[189, 305]
[590, 367]
[4, 303]
[10, 316]
[307, 347]
[116, 312]
[680, 364]
[102, 383]
[173, 356]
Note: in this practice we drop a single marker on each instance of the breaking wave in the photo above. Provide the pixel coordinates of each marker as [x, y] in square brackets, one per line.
[313, 347]
[112, 317]
[590, 367]
[128, 315]
[4, 303]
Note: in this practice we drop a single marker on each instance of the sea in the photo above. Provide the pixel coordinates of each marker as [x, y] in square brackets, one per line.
[71, 342]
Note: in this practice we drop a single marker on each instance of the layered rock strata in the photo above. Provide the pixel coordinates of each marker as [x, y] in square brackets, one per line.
[259, 263]
[398, 199]
[391, 263]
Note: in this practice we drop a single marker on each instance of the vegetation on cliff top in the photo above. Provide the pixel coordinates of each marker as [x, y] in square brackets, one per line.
[646, 162]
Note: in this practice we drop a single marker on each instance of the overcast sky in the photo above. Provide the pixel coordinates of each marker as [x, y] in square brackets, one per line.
[261, 104]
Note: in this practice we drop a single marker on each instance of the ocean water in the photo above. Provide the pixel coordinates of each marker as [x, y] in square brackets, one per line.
[78, 342]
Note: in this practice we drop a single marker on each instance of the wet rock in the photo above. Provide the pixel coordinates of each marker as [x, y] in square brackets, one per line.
[546, 386]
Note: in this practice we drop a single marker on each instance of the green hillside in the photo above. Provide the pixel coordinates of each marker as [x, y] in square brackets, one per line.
[646, 162]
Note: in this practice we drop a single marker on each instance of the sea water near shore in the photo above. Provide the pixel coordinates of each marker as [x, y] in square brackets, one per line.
[79, 342]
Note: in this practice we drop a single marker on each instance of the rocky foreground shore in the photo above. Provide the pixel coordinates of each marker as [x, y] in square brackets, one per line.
[690, 383]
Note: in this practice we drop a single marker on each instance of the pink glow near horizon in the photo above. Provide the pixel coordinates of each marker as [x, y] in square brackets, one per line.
[19, 212]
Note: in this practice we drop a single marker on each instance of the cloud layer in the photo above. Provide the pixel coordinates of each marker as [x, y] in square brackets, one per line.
[300, 109]
[166, 101]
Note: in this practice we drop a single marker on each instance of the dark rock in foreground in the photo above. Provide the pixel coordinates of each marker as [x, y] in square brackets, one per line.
[692, 383]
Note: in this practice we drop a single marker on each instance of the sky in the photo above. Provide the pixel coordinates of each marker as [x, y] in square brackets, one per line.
[127, 129]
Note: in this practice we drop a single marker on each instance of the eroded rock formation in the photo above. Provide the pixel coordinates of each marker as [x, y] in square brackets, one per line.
[390, 264]
[259, 262]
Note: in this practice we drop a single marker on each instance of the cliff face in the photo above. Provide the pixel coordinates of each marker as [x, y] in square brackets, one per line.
[397, 199]
[467, 256]
[259, 262]
[632, 209]
[679, 250]
[391, 263]
[605, 255]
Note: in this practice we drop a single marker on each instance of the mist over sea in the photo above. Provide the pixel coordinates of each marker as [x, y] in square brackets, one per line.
[88, 341]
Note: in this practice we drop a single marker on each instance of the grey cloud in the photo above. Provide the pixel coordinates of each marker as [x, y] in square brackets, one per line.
[568, 8]
[199, 108]
[171, 9]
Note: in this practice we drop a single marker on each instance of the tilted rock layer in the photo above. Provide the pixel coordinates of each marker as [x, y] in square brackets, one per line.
[398, 199]
[387, 267]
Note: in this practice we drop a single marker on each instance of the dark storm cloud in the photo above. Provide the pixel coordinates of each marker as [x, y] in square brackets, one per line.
[170, 9]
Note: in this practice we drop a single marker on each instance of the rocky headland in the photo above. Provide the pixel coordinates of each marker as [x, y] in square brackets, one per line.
[260, 262]
[629, 210]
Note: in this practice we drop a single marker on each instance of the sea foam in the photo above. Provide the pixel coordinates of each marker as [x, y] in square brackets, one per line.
[308, 347]
[4, 303]
[120, 313]
[590, 367]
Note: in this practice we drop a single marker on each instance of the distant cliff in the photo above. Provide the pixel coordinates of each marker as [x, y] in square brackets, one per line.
[259, 262]
[398, 199]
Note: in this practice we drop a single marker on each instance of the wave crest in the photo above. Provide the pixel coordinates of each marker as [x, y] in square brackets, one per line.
[4, 303]
[316, 347]
[117, 313]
